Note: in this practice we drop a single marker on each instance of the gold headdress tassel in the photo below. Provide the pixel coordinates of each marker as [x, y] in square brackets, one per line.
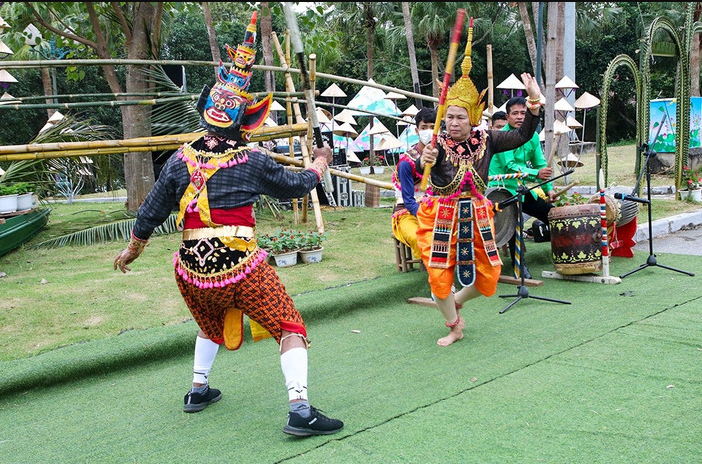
[464, 93]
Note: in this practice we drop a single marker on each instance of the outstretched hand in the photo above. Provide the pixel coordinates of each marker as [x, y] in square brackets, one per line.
[532, 86]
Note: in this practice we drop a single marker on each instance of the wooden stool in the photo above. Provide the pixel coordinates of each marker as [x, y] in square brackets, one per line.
[403, 257]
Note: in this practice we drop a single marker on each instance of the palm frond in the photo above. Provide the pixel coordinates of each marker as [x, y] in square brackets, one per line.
[115, 231]
[175, 117]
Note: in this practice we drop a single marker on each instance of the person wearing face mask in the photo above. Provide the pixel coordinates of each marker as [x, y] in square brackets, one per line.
[406, 180]
[528, 159]
[456, 230]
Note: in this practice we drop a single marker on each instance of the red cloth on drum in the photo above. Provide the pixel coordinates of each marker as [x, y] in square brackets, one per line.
[622, 241]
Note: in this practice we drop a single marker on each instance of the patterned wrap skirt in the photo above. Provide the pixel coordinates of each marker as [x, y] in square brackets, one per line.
[219, 281]
[441, 279]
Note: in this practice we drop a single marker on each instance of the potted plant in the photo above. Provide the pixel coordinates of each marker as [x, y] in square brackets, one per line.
[691, 181]
[311, 246]
[284, 246]
[264, 242]
[379, 169]
[8, 199]
[24, 193]
[365, 166]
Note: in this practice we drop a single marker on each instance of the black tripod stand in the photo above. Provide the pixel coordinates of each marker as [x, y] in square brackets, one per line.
[651, 260]
[522, 290]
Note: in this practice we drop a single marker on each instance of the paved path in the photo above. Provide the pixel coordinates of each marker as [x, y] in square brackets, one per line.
[680, 234]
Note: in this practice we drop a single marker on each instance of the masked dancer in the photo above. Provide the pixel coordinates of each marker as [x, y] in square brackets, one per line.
[220, 271]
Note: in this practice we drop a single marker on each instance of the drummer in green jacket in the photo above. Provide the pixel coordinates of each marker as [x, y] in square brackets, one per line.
[529, 159]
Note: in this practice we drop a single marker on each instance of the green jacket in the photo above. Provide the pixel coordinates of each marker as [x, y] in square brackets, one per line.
[515, 161]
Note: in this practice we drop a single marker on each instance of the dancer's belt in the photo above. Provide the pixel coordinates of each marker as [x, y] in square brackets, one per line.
[223, 231]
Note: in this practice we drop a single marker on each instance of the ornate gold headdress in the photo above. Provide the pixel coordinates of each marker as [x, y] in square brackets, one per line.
[463, 93]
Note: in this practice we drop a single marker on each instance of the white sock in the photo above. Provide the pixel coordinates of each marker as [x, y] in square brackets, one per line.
[294, 365]
[205, 352]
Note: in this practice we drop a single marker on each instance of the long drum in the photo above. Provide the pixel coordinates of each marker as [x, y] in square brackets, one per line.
[618, 212]
[576, 238]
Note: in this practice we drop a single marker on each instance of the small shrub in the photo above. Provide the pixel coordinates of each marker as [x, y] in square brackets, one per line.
[312, 240]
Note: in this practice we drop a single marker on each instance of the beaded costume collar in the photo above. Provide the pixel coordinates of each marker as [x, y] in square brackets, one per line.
[462, 155]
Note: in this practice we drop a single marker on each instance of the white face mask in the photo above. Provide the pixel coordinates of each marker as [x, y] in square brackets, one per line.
[426, 135]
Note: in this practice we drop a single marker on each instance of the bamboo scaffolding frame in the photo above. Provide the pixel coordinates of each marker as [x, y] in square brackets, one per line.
[172, 142]
[168, 143]
[262, 134]
[171, 93]
[100, 62]
[8, 105]
[291, 140]
[66, 106]
[292, 162]
[290, 86]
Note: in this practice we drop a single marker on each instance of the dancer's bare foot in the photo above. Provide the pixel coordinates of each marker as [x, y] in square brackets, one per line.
[455, 334]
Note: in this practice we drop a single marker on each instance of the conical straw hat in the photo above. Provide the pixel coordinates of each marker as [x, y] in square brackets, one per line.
[586, 100]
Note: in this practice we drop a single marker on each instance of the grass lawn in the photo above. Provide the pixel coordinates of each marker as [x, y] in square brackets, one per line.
[62, 296]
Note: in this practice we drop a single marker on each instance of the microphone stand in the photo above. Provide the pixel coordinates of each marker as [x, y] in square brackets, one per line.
[651, 260]
[523, 290]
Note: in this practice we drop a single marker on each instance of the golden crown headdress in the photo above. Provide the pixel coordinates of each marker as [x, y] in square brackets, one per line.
[463, 92]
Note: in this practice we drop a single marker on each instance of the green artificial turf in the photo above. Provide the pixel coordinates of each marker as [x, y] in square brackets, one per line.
[611, 377]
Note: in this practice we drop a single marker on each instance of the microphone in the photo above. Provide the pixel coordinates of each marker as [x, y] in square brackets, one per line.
[623, 196]
[503, 204]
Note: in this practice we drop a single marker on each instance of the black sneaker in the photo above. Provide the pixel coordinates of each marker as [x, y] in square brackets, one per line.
[195, 402]
[316, 424]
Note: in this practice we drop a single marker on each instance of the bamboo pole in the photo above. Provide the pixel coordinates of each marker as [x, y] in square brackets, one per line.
[491, 90]
[305, 200]
[262, 134]
[294, 162]
[291, 150]
[66, 106]
[303, 143]
[171, 93]
[10, 105]
[279, 157]
[554, 149]
[312, 77]
[116, 62]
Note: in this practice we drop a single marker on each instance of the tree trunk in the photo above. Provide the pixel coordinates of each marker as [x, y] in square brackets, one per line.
[409, 33]
[551, 73]
[538, 16]
[528, 34]
[266, 30]
[136, 120]
[211, 35]
[48, 88]
[490, 79]
[560, 40]
[434, 54]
